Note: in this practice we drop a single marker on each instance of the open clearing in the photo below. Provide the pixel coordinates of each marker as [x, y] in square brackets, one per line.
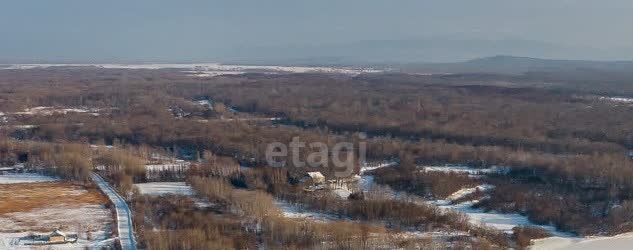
[24, 178]
[41, 207]
[171, 188]
[22, 197]
[164, 188]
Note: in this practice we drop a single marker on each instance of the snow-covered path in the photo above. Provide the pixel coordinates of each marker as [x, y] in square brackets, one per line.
[123, 213]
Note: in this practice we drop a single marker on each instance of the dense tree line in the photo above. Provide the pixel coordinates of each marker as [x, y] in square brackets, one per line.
[284, 232]
[478, 115]
[68, 160]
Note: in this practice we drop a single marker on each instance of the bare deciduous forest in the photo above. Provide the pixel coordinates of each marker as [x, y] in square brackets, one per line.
[565, 151]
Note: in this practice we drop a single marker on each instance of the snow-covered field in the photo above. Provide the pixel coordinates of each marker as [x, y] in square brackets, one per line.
[468, 191]
[294, 211]
[209, 69]
[462, 169]
[173, 188]
[92, 223]
[47, 111]
[164, 188]
[618, 242]
[24, 178]
[36, 204]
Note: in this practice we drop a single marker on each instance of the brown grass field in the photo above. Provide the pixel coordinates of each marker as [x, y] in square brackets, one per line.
[24, 197]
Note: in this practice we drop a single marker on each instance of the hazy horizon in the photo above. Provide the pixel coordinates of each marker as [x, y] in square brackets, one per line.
[329, 31]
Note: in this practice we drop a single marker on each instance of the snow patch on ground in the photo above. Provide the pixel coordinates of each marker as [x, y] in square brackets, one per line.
[617, 99]
[432, 234]
[468, 191]
[295, 211]
[88, 216]
[501, 221]
[173, 188]
[12, 178]
[466, 169]
[618, 242]
[212, 73]
[54, 110]
[27, 126]
[92, 223]
[342, 193]
[164, 188]
[373, 166]
[209, 69]
[205, 103]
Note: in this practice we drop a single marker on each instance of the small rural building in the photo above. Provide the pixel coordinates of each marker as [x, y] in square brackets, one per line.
[315, 178]
[313, 181]
[57, 237]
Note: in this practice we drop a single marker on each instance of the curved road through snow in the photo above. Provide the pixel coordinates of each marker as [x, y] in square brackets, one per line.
[123, 214]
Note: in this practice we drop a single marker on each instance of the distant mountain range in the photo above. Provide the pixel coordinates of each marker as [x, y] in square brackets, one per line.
[454, 53]
[517, 65]
[423, 50]
[437, 49]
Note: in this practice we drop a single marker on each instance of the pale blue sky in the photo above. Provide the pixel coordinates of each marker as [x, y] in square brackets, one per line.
[115, 30]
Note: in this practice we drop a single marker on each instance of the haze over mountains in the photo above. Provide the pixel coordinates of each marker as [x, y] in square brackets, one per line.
[448, 49]
[315, 32]
[504, 64]
[429, 50]
[500, 64]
